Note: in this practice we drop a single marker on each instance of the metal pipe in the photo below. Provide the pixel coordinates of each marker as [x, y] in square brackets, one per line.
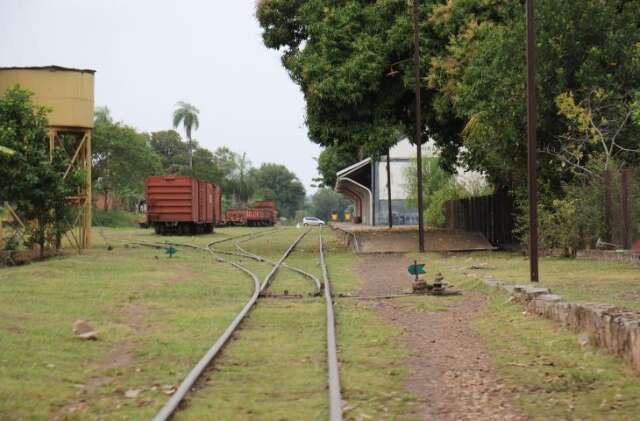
[335, 396]
[532, 142]
[416, 63]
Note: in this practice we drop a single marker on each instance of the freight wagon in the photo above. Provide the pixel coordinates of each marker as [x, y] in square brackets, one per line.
[252, 217]
[181, 205]
[263, 213]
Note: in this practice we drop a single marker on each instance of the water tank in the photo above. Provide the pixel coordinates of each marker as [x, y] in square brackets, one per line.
[68, 92]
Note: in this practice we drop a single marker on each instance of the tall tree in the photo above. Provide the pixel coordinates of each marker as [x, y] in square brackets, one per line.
[122, 158]
[187, 115]
[325, 201]
[276, 182]
[353, 62]
[173, 151]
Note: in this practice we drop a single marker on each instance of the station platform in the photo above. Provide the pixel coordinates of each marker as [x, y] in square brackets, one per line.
[404, 238]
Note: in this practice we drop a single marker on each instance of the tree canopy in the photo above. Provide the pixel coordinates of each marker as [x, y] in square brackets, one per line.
[122, 158]
[352, 60]
[276, 182]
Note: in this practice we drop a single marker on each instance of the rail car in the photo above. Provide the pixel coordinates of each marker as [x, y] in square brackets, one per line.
[251, 217]
[181, 204]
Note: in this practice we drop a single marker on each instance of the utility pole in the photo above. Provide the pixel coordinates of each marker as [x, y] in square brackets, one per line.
[389, 188]
[532, 142]
[416, 63]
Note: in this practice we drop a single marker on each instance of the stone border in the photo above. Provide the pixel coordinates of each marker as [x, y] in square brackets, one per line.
[609, 327]
[626, 256]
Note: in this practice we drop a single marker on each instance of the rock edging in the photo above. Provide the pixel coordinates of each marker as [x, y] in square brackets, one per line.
[609, 327]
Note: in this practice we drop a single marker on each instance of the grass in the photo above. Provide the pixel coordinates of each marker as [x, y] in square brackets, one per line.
[115, 218]
[552, 376]
[613, 283]
[280, 359]
[157, 316]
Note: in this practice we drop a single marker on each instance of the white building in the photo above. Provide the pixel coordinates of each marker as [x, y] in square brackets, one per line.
[365, 183]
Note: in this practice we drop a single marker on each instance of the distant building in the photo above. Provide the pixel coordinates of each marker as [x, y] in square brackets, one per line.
[365, 183]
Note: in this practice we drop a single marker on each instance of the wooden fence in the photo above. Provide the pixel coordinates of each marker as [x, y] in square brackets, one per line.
[491, 215]
[621, 200]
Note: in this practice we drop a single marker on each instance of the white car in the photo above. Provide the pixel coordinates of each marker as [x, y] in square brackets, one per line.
[312, 220]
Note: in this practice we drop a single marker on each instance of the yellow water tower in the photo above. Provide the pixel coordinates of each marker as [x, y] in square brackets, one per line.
[69, 94]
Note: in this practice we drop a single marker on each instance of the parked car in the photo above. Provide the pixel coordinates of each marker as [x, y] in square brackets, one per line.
[312, 220]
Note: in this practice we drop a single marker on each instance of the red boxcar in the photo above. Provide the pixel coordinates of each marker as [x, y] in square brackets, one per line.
[181, 205]
[253, 217]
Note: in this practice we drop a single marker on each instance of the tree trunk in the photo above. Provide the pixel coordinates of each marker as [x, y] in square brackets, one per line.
[190, 155]
[42, 249]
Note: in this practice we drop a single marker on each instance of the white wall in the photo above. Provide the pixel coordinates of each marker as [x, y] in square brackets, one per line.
[403, 152]
[398, 179]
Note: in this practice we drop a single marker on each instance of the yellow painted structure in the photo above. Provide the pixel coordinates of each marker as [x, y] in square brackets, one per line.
[69, 93]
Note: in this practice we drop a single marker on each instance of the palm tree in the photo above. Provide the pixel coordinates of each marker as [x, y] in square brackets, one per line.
[187, 115]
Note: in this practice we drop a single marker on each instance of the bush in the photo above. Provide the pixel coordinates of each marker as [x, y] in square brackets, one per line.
[115, 218]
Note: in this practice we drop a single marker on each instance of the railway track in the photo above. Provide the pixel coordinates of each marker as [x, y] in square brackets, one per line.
[335, 402]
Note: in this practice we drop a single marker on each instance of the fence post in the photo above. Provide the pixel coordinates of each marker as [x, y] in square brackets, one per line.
[607, 205]
[626, 217]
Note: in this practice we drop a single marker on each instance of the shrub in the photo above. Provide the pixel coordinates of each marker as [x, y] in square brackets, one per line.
[115, 218]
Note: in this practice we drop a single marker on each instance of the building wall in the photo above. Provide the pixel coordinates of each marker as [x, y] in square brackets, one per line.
[402, 215]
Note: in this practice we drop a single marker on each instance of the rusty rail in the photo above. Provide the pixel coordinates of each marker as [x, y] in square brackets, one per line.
[335, 395]
[173, 403]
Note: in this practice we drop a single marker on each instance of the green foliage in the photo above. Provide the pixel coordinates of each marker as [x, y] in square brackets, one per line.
[332, 159]
[598, 129]
[325, 201]
[342, 53]
[31, 179]
[343, 69]
[480, 78]
[276, 182]
[6, 151]
[172, 150]
[122, 158]
[114, 218]
[438, 187]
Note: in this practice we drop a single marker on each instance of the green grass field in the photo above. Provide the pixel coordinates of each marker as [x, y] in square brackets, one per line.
[158, 315]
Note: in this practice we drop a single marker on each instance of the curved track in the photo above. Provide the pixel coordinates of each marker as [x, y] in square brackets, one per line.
[335, 401]
[185, 386]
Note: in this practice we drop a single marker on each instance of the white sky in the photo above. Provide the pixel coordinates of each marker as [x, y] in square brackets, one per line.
[149, 54]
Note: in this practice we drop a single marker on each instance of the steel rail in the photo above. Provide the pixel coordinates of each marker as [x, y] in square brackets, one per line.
[335, 395]
[279, 262]
[236, 237]
[173, 403]
[245, 253]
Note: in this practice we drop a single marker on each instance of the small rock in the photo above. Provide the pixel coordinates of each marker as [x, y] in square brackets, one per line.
[169, 389]
[83, 330]
[132, 393]
[583, 340]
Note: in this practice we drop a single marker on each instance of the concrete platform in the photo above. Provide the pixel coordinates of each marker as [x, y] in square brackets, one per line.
[404, 238]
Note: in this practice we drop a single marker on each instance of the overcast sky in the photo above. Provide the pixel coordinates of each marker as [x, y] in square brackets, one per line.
[149, 54]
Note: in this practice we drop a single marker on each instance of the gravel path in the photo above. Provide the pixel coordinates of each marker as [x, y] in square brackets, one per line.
[451, 374]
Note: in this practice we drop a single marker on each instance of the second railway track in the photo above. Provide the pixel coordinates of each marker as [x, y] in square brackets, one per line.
[259, 287]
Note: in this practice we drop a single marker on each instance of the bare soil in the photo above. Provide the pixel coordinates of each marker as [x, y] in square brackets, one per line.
[120, 356]
[450, 373]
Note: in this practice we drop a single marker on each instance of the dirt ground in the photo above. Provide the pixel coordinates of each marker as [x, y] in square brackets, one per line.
[451, 374]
